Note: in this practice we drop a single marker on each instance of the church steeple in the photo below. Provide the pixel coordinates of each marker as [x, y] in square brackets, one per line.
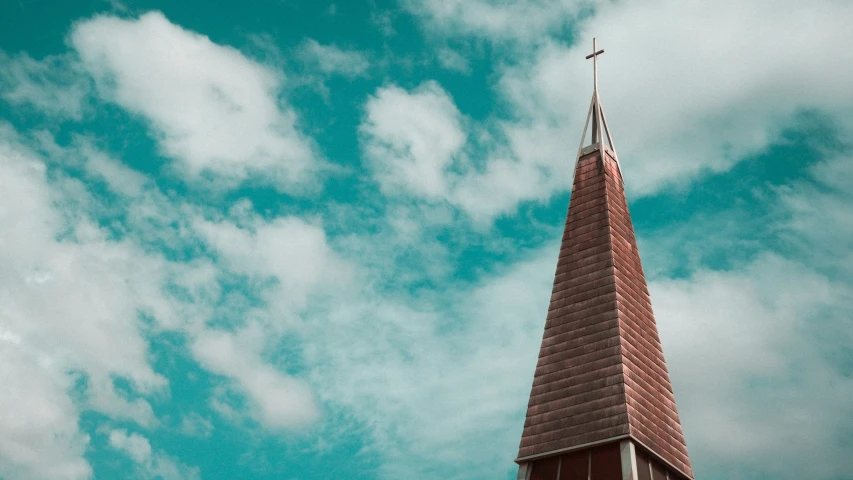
[601, 406]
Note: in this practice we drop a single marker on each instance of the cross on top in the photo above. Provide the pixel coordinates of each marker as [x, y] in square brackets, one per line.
[594, 56]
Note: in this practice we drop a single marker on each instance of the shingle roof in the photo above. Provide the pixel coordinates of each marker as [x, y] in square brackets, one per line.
[601, 372]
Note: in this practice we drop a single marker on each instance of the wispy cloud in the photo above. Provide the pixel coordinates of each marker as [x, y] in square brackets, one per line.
[277, 401]
[150, 463]
[330, 59]
[453, 60]
[54, 85]
[525, 21]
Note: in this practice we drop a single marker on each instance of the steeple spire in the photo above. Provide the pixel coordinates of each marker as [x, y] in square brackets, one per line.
[601, 406]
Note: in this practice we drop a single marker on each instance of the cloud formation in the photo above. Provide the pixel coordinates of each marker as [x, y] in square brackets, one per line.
[680, 106]
[53, 85]
[212, 109]
[363, 325]
[79, 305]
[418, 143]
[751, 377]
[70, 321]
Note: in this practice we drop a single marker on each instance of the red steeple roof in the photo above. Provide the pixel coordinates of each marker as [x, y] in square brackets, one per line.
[601, 374]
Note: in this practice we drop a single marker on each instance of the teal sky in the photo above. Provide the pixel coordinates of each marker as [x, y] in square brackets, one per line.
[311, 240]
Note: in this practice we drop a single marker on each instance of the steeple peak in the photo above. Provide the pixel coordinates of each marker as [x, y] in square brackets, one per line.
[600, 131]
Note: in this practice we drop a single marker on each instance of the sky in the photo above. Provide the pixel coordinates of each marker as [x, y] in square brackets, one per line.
[311, 239]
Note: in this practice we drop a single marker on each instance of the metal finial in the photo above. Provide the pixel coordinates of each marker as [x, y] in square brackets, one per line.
[594, 56]
[595, 118]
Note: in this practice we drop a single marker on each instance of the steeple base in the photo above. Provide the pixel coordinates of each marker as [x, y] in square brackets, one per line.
[615, 459]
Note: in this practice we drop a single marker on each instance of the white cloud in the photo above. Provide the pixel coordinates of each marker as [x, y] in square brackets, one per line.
[747, 354]
[151, 464]
[39, 435]
[417, 143]
[213, 109]
[53, 85]
[119, 178]
[70, 320]
[194, 425]
[134, 445]
[526, 20]
[290, 249]
[95, 284]
[759, 355]
[277, 400]
[331, 59]
[453, 60]
[412, 138]
[306, 271]
[71, 300]
[820, 219]
[383, 21]
[96, 289]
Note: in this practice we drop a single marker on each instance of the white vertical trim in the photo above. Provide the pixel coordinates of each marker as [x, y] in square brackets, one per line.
[657, 457]
[629, 460]
[523, 471]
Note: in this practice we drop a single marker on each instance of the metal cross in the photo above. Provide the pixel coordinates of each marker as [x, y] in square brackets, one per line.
[594, 57]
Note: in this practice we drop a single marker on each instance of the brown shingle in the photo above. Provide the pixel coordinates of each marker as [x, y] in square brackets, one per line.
[601, 371]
